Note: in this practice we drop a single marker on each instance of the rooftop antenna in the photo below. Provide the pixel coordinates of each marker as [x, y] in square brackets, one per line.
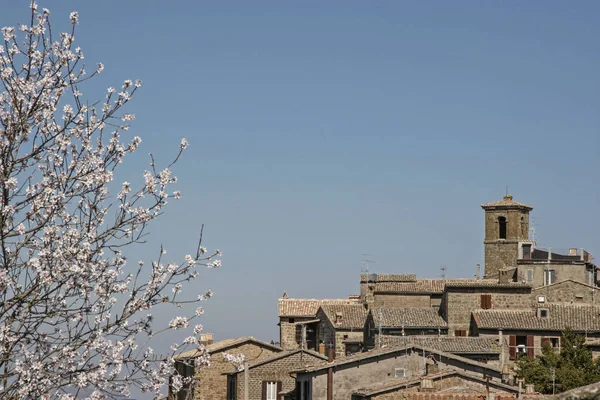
[443, 270]
[532, 229]
[365, 263]
[507, 190]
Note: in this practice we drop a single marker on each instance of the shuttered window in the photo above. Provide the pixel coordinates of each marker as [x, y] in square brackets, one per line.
[530, 346]
[270, 390]
[299, 334]
[486, 301]
[512, 347]
[460, 332]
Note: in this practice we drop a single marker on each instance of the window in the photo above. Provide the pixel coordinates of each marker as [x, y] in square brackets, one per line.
[399, 373]
[555, 342]
[299, 334]
[270, 390]
[526, 252]
[306, 391]
[542, 312]
[520, 346]
[549, 277]
[541, 299]
[529, 275]
[460, 332]
[291, 320]
[486, 301]
[231, 387]
[502, 227]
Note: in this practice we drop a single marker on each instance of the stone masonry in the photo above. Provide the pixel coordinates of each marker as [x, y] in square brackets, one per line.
[211, 382]
[277, 370]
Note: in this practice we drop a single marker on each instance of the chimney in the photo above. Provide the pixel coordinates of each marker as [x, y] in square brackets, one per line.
[426, 385]
[338, 317]
[431, 368]
[206, 339]
[322, 348]
[529, 388]
[478, 272]
[573, 251]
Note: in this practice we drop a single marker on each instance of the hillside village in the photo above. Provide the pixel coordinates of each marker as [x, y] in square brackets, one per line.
[407, 337]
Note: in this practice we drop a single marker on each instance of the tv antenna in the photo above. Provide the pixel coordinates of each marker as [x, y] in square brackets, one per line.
[365, 262]
[443, 270]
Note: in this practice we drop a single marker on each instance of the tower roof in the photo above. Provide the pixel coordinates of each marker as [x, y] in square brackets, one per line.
[506, 203]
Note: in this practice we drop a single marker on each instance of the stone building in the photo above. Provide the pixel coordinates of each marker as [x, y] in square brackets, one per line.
[270, 377]
[211, 383]
[460, 299]
[298, 321]
[345, 376]
[508, 246]
[506, 231]
[568, 291]
[401, 322]
[483, 349]
[444, 385]
[341, 327]
[526, 329]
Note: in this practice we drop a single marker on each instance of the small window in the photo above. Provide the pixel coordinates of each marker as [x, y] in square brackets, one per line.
[541, 299]
[399, 372]
[549, 277]
[542, 312]
[555, 342]
[486, 301]
[460, 332]
[502, 227]
[270, 390]
[529, 275]
[345, 337]
[526, 252]
[291, 320]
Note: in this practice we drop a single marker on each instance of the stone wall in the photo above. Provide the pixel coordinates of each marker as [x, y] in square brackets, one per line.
[471, 387]
[567, 292]
[458, 305]
[499, 255]
[211, 384]
[402, 300]
[563, 271]
[287, 332]
[276, 371]
[350, 377]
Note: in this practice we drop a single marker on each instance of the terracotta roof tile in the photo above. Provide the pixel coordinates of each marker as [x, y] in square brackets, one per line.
[307, 307]
[450, 344]
[389, 277]
[225, 344]
[579, 318]
[353, 316]
[408, 318]
[376, 353]
[428, 286]
[506, 202]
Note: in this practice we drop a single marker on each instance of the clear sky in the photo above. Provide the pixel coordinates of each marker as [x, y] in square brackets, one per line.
[322, 130]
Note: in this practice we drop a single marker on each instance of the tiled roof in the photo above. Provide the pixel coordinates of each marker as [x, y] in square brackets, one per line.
[353, 316]
[579, 318]
[379, 388]
[506, 202]
[583, 285]
[225, 344]
[389, 277]
[450, 344]
[307, 307]
[400, 350]
[486, 283]
[420, 286]
[428, 286]
[315, 359]
[408, 318]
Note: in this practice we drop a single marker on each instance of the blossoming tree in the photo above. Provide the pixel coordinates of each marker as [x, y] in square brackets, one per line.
[75, 317]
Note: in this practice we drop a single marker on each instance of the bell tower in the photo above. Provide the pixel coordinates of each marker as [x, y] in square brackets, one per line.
[506, 226]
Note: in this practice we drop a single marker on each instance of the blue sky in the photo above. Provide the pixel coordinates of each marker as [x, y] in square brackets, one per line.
[323, 130]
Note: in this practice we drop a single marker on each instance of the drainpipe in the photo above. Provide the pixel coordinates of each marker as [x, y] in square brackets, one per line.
[330, 376]
[246, 394]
